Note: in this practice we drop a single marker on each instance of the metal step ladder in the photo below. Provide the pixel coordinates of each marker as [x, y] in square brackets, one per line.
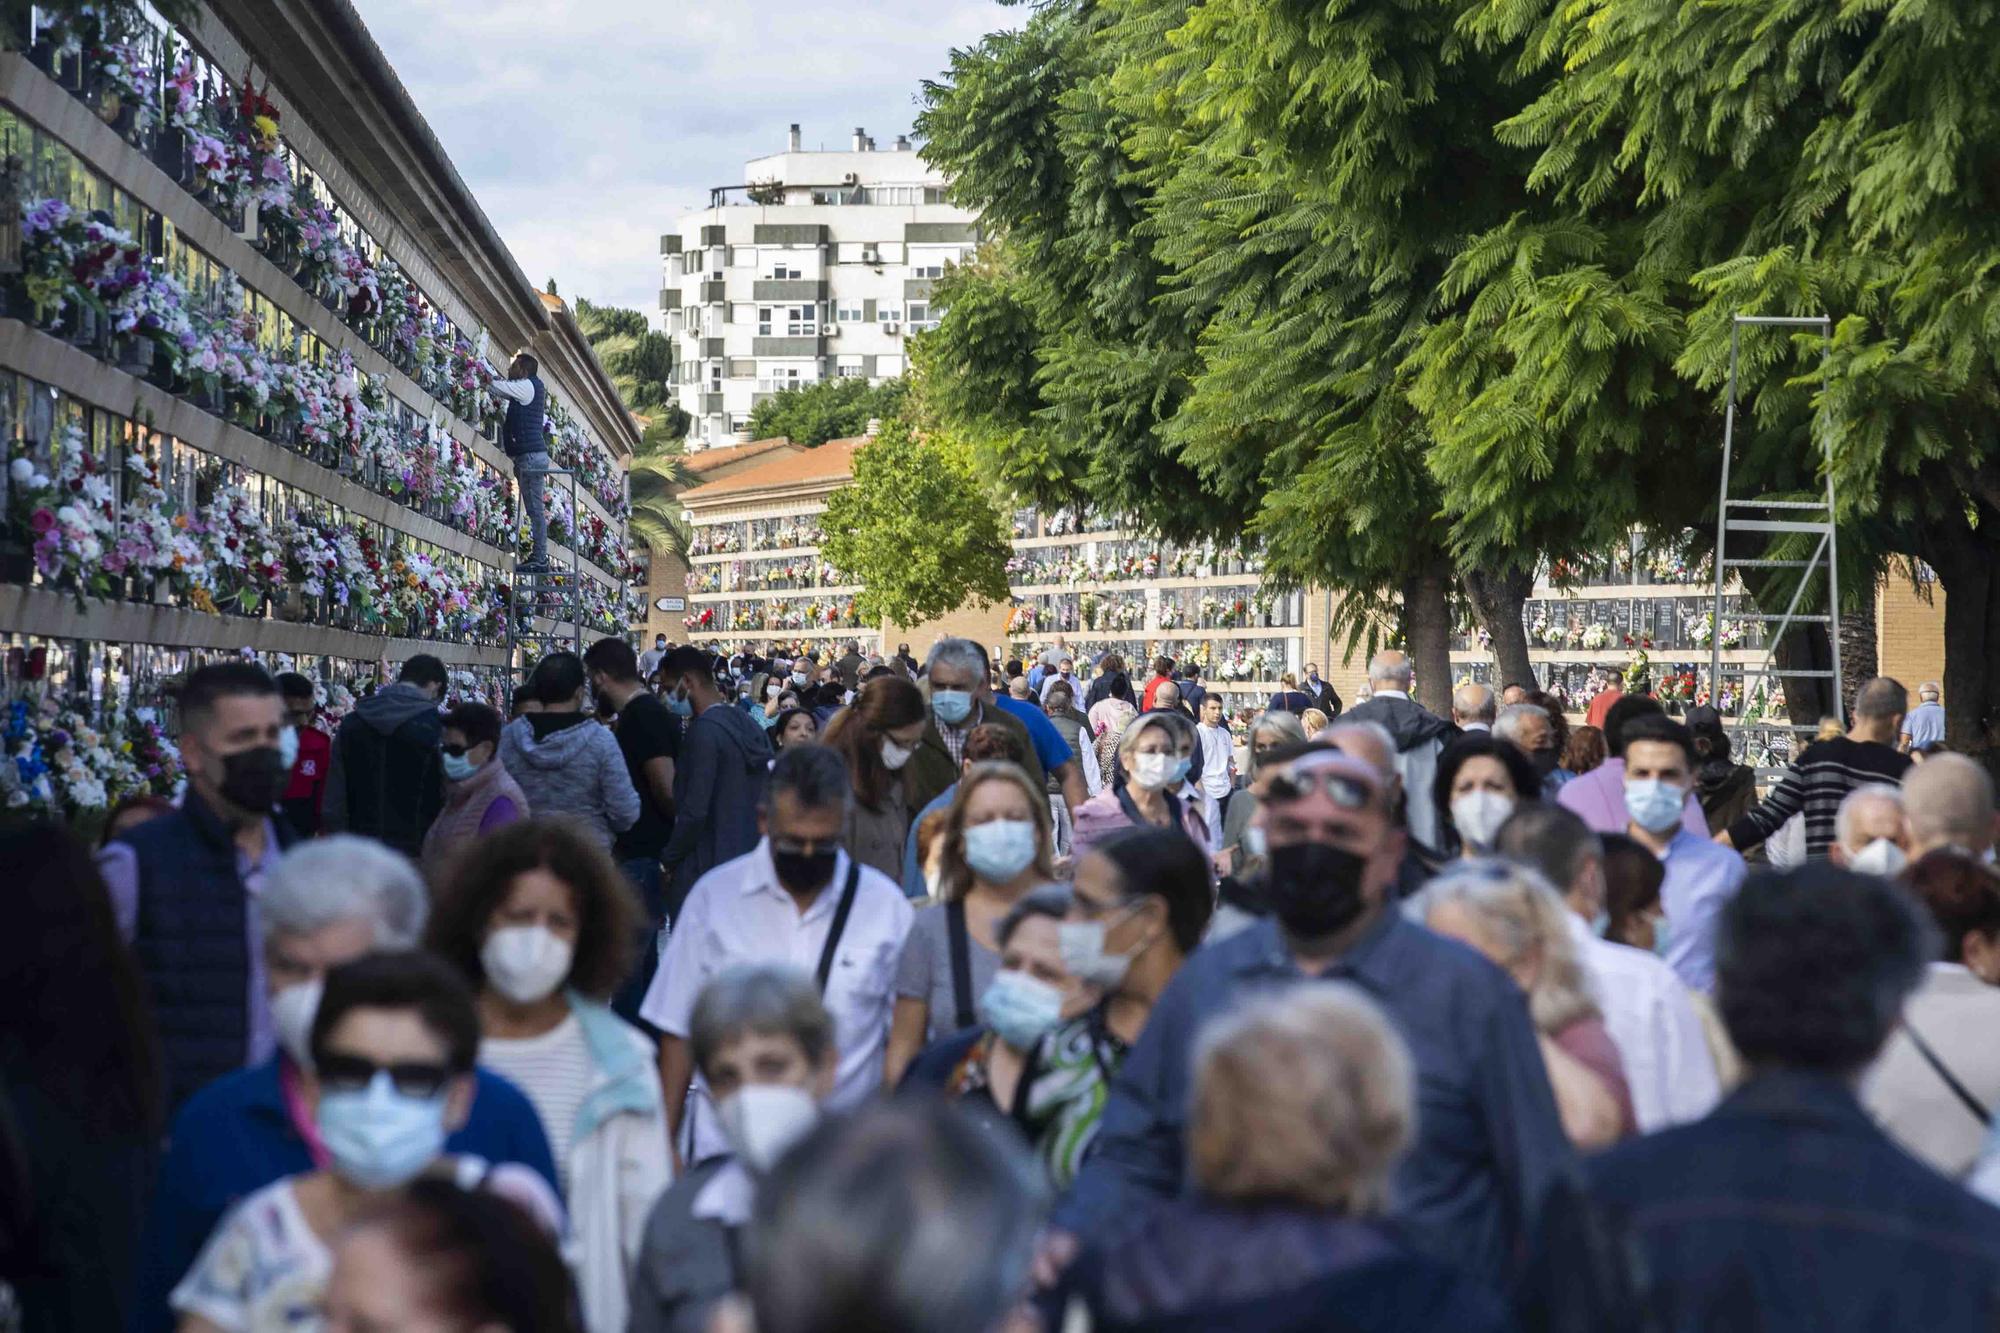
[1813, 518]
[545, 609]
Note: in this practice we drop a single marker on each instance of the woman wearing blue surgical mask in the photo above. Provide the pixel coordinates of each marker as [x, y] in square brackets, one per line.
[1149, 786]
[1139, 905]
[480, 796]
[393, 1044]
[997, 844]
[981, 1068]
[540, 920]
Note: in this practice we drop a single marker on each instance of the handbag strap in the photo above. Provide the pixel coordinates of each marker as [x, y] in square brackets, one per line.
[839, 926]
[1958, 1089]
[961, 963]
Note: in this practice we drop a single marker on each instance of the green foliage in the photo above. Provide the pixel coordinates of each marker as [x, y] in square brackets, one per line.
[919, 529]
[835, 409]
[657, 480]
[639, 361]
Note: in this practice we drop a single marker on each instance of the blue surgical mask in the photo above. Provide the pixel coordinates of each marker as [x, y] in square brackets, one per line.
[951, 706]
[1020, 1008]
[678, 705]
[288, 747]
[1663, 936]
[380, 1138]
[1000, 849]
[1654, 806]
[458, 767]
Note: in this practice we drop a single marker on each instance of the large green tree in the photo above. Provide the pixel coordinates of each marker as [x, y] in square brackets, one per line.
[835, 409]
[919, 529]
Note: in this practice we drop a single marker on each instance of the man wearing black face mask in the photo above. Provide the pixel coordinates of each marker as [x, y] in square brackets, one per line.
[799, 900]
[1490, 1145]
[184, 886]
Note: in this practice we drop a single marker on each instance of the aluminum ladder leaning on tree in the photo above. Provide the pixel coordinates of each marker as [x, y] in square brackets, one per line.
[1812, 518]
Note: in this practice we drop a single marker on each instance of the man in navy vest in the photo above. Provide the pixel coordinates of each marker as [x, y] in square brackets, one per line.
[185, 885]
[527, 411]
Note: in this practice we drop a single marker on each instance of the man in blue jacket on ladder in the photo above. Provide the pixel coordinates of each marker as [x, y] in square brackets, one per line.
[522, 436]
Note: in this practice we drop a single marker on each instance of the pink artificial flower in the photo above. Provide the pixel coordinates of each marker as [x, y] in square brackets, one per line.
[41, 520]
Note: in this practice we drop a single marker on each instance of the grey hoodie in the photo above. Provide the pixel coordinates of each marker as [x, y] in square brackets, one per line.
[572, 770]
[718, 785]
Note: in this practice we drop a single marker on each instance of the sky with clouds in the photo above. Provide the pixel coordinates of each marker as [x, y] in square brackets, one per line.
[586, 127]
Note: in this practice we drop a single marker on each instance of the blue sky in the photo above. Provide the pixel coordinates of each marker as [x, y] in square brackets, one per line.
[585, 127]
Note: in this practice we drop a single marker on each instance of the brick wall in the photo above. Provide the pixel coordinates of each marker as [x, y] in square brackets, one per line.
[1910, 632]
[987, 625]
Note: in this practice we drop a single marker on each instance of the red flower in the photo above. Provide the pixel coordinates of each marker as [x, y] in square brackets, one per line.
[41, 520]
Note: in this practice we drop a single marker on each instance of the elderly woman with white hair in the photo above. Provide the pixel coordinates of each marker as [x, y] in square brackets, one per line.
[326, 903]
[1510, 914]
[1150, 787]
[1303, 1101]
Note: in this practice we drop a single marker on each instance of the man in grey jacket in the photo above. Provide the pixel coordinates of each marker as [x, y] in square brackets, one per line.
[567, 765]
[719, 781]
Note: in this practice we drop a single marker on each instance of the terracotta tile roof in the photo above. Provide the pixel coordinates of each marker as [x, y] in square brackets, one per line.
[708, 460]
[830, 462]
[551, 300]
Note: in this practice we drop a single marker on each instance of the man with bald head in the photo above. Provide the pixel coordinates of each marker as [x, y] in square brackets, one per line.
[1473, 706]
[1418, 734]
[1824, 772]
[1948, 801]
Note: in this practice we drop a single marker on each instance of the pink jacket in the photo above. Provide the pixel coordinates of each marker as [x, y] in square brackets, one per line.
[1101, 816]
[472, 807]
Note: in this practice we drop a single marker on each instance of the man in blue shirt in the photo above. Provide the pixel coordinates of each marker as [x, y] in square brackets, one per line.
[1490, 1147]
[1925, 724]
[326, 903]
[1702, 876]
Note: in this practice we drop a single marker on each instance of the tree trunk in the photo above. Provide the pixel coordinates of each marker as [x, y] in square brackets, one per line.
[1807, 698]
[1965, 561]
[1858, 661]
[1497, 600]
[1427, 626]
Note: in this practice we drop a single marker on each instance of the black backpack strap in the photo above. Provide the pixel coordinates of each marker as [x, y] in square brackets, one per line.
[839, 926]
[961, 964]
[1958, 1089]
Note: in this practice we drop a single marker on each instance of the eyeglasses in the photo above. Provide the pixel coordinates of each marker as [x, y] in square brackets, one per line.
[353, 1073]
[804, 846]
[1342, 790]
[455, 751]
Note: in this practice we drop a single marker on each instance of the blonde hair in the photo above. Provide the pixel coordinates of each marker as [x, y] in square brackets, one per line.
[1526, 921]
[1304, 1095]
[1179, 730]
[1314, 721]
[955, 881]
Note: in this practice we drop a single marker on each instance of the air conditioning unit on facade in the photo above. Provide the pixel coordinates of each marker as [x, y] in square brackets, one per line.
[850, 179]
[870, 255]
[892, 329]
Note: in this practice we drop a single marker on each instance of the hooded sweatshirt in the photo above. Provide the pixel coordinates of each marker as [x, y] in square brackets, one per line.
[571, 768]
[386, 779]
[718, 785]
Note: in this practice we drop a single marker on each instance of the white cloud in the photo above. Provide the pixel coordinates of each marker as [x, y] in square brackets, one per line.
[586, 127]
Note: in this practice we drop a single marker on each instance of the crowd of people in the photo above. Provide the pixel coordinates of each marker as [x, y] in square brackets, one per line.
[755, 992]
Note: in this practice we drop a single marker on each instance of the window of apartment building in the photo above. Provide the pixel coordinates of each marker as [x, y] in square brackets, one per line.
[783, 270]
[935, 195]
[763, 321]
[715, 258]
[694, 261]
[928, 268]
[715, 376]
[848, 312]
[801, 321]
[848, 371]
[676, 323]
[889, 314]
[920, 315]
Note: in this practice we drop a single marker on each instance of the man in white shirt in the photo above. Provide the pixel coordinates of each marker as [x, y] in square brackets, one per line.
[797, 899]
[523, 435]
[1646, 1008]
[1218, 766]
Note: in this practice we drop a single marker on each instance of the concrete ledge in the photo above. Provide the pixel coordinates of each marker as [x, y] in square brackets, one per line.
[48, 614]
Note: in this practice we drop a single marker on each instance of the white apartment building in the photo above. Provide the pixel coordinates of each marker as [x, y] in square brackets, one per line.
[820, 265]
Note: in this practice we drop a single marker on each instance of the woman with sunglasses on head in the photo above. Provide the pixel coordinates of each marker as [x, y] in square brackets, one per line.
[1138, 907]
[542, 923]
[393, 1044]
[1149, 787]
[480, 795]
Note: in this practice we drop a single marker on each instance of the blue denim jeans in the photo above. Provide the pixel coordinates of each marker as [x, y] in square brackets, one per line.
[643, 873]
[531, 471]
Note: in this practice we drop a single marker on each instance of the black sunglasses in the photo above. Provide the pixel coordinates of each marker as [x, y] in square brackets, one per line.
[1342, 790]
[353, 1073]
[455, 751]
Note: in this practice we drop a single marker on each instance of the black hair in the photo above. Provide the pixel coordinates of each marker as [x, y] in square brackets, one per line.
[688, 658]
[403, 979]
[1659, 727]
[522, 694]
[526, 363]
[1165, 863]
[1812, 967]
[778, 724]
[614, 657]
[205, 686]
[1627, 707]
[476, 722]
[558, 677]
[423, 669]
[1473, 744]
[1962, 893]
[814, 776]
[1705, 729]
[482, 1261]
[74, 1021]
[1550, 839]
[294, 686]
[1632, 880]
